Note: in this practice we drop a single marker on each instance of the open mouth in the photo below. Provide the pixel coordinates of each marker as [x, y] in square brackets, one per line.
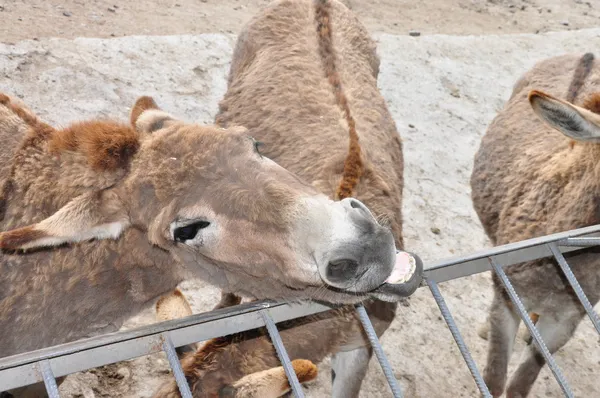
[405, 278]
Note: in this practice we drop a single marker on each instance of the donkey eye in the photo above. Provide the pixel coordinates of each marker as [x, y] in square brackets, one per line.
[257, 145]
[190, 231]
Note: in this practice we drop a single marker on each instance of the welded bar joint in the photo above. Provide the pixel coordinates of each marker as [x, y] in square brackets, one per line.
[531, 327]
[169, 349]
[49, 380]
[376, 345]
[282, 354]
[460, 342]
[589, 308]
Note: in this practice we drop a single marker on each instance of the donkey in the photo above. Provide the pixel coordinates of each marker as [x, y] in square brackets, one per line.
[102, 218]
[303, 80]
[530, 180]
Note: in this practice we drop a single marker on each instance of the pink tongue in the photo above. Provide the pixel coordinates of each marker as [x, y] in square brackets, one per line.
[401, 268]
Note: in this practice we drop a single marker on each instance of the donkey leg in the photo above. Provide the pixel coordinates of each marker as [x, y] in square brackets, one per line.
[349, 364]
[556, 332]
[504, 323]
[349, 369]
[483, 330]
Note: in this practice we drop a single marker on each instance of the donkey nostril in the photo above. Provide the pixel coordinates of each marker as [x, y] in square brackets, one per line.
[355, 204]
[341, 270]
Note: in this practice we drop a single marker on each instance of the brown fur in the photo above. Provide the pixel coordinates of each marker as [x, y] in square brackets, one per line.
[592, 102]
[24, 114]
[141, 105]
[270, 383]
[301, 118]
[106, 145]
[14, 239]
[528, 181]
[16, 122]
[353, 167]
[582, 70]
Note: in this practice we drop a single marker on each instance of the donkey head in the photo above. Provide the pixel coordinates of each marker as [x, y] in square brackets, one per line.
[222, 210]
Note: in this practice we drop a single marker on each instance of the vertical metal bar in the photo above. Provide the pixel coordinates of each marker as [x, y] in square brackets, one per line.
[169, 349]
[282, 354]
[532, 329]
[439, 299]
[49, 380]
[383, 361]
[589, 308]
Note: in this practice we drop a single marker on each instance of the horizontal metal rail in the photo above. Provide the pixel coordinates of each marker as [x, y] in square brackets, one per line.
[510, 254]
[24, 369]
[20, 370]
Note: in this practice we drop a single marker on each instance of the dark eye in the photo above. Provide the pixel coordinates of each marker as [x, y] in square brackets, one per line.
[257, 144]
[189, 232]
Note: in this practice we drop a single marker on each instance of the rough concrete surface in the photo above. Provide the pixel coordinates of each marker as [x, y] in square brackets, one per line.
[447, 88]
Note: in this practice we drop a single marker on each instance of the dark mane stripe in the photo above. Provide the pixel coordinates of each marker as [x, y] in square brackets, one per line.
[353, 165]
[579, 76]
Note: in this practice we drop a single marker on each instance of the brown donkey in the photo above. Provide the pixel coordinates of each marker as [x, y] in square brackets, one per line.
[530, 180]
[125, 214]
[303, 80]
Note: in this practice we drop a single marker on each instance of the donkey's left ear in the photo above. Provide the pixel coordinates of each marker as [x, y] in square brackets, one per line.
[573, 121]
[97, 215]
[147, 117]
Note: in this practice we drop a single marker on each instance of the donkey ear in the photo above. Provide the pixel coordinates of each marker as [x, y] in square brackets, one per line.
[147, 117]
[97, 215]
[573, 121]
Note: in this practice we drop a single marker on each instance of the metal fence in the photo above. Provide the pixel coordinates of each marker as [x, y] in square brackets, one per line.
[48, 363]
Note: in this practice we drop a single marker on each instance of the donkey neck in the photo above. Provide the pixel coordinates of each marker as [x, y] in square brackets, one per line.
[79, 291]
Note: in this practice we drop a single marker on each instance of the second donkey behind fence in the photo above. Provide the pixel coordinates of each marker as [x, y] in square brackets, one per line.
[303, 80]
[530, 180]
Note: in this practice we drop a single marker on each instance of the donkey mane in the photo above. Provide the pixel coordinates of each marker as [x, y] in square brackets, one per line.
[579, 75]
[106, 145]
[353, 165]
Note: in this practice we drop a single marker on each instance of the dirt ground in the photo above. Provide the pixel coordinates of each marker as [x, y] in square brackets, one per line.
[438, 91]
[28, 19]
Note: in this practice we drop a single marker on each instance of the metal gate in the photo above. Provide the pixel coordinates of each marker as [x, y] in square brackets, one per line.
[48, 363]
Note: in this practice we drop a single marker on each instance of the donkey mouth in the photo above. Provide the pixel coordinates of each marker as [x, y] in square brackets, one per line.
[405, 278]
